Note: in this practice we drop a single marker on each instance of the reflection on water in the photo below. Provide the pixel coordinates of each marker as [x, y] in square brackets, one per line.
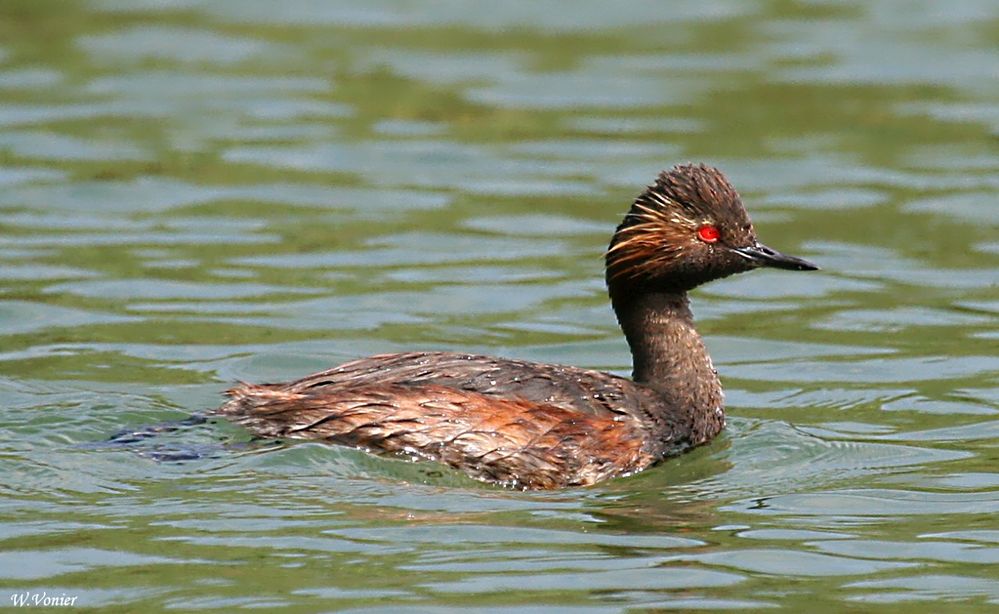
[196, 192]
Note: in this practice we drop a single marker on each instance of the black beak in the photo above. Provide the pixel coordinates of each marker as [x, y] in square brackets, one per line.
[761, 255]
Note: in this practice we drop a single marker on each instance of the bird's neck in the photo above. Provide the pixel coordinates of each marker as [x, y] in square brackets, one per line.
[669, 357]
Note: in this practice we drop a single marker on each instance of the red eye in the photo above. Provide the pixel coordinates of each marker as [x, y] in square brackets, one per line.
[708, 233]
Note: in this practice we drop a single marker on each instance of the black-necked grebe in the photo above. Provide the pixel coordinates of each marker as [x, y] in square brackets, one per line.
[531, 425]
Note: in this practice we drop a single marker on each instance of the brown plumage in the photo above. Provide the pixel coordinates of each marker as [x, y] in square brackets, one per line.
[531, 425]
[511, 441]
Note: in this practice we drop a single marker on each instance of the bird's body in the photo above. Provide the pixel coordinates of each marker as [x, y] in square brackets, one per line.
[518, 423]
[533, 425]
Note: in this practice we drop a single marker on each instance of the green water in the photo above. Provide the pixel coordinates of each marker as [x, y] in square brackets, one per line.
[195, 192]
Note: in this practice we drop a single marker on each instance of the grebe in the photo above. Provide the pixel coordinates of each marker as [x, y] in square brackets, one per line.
[538, 426]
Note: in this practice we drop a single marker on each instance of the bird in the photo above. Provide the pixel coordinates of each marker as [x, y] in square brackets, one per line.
[536, 426]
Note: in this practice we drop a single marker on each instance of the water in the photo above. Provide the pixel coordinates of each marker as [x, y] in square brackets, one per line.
[193, 193]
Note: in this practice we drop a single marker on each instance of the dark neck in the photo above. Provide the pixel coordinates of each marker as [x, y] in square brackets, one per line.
[670, 358]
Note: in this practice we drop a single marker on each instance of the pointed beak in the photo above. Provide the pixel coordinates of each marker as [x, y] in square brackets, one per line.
[761, 255]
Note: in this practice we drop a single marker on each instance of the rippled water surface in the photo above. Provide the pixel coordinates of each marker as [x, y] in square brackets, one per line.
[195, 192]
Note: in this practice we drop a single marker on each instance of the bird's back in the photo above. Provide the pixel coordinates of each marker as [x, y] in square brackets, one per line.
[527, 424]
